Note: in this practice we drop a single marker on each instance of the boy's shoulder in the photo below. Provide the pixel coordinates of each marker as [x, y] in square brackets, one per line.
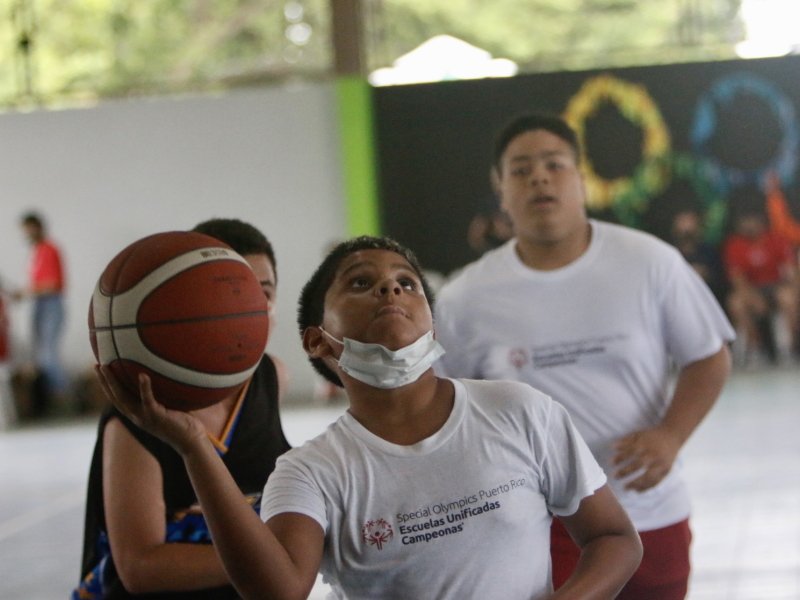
[481, 272]
[512, 398]
[627, 240]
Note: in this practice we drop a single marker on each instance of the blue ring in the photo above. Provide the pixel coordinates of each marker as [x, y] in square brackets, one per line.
[721, 94]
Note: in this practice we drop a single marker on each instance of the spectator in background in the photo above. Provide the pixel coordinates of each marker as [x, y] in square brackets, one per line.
[783, 223]
[46, 283]
[781, 220]
[762, 272]
[489, 228]
[7, 407]
[687, 236]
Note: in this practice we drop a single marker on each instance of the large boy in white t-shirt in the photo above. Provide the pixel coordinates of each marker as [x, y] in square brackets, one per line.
[597, 316]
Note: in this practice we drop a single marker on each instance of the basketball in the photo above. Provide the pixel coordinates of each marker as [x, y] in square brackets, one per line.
[185, 309]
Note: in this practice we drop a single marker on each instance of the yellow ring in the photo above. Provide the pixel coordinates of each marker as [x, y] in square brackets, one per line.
[636, 105]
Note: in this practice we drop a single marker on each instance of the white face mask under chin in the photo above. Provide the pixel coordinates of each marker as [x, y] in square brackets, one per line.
[380, 367]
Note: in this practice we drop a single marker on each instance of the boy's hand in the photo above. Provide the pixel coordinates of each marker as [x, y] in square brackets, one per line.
[652, 451]
[181, 430]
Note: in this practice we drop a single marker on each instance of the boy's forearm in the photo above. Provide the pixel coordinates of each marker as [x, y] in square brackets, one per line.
[242, 540]
[698, 387]
[605, 566]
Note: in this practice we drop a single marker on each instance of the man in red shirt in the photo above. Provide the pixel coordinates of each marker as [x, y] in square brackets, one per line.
[762, 270]
[45, 287]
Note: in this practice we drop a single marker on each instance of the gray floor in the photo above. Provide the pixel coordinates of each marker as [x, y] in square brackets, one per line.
[743, 465]
[744, 468]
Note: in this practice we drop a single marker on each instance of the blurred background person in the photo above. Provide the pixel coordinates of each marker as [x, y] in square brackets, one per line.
[761, 267]
[489, 228]
[687, 235]
[46, 284]
[7, 407]
[780, 216]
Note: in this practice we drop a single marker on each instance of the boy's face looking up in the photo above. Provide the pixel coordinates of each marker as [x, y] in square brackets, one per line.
[376, 297]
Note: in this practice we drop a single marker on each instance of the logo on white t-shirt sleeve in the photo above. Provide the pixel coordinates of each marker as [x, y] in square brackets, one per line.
[377, 533]
[518, 357]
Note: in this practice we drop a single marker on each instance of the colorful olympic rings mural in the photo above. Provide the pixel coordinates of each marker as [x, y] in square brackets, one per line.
[710, 179]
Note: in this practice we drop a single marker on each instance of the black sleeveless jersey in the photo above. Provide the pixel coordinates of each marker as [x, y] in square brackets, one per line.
[254, 442]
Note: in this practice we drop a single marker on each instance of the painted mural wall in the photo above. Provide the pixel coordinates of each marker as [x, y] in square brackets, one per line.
[656, 139]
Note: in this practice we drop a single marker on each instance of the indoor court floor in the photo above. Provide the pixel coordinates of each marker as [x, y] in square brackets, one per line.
[743, 465]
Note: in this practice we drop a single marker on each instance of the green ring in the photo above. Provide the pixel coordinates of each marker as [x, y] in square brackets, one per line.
[658, 173]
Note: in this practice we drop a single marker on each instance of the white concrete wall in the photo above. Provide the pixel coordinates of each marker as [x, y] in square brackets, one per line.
[106, 176]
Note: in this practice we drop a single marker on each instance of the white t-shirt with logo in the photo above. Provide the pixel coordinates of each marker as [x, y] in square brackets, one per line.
[461, 514]
[602, 336]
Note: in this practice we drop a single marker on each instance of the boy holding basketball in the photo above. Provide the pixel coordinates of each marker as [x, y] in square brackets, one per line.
[427, 487]
[130, 548]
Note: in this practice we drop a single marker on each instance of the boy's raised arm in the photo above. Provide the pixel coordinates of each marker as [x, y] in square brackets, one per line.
[279, 560]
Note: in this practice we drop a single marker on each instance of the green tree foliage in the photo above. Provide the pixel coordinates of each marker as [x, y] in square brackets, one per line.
[69, 51]
[85, 49]
[567, 34]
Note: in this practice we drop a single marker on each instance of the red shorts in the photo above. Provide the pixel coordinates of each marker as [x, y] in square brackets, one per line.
[663, 574]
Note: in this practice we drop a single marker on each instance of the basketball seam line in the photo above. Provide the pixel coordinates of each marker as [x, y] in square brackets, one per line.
[181, 321]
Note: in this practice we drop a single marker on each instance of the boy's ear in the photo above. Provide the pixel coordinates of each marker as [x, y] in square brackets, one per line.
[315, 343]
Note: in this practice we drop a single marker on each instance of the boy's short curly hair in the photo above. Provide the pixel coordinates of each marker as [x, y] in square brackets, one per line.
[311, 308]
[243, 237]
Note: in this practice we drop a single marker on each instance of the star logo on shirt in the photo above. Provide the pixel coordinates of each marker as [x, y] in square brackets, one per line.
[377, 533]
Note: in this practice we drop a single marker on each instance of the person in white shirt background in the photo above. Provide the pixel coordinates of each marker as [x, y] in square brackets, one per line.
[611, 322]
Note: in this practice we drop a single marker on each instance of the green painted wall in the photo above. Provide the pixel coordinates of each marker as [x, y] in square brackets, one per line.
[354, 97]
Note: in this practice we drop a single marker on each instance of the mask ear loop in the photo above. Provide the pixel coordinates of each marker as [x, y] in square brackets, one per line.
[330, 337]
